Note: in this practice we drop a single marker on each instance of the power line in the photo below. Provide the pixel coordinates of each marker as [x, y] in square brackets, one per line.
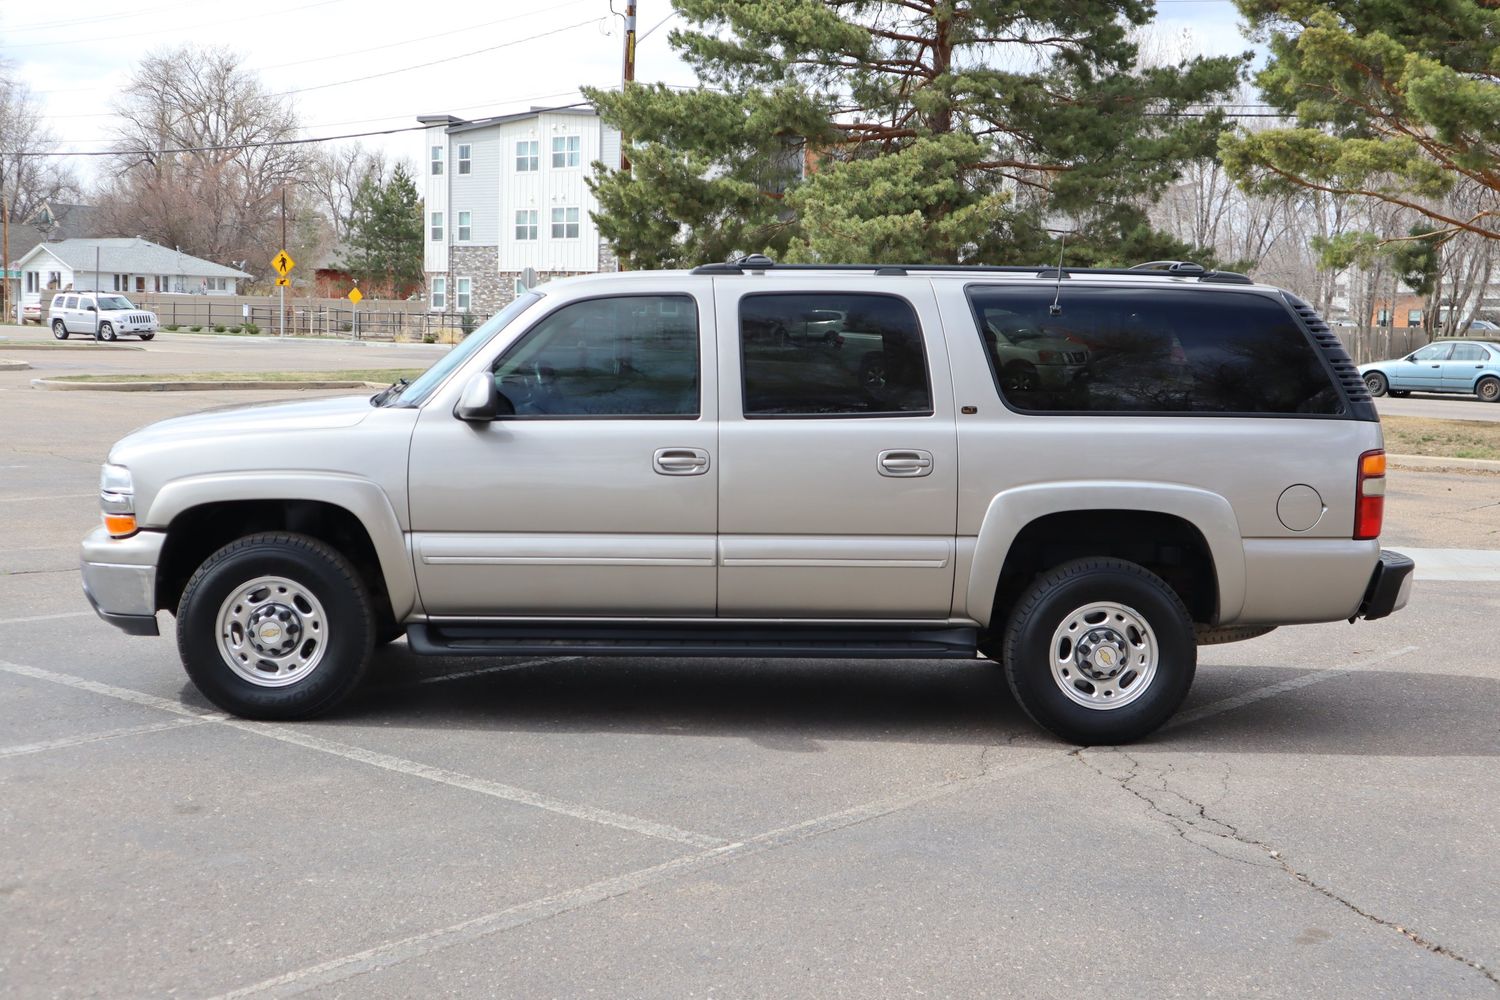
[49, 25]
[157, 32]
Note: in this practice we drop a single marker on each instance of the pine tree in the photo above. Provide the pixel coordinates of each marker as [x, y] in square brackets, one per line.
[903, 130]
[385, 232]
[1395, 101]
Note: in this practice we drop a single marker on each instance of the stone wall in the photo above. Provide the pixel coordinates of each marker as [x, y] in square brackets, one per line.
[488, 292]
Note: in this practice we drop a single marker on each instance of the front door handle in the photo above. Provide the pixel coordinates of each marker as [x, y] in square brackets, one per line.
[905, 463]
[680, 461]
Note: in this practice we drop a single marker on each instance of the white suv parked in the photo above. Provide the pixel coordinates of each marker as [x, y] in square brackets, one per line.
[101, 315]
[625, 464]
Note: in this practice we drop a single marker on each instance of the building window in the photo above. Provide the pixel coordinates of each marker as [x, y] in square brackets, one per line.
[54, 279]
[465, 156]
[437, 227]
[461, 293]
[33, 282]
[437, 160]
[565, 223]
[440, 293]
[465, 227]
[528, 155]
[1413, 318]
[526, 224]
[566, 150]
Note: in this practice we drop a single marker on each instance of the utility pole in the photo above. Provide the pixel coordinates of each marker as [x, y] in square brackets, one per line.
[628, 76]
[280, 288]
[5, 252]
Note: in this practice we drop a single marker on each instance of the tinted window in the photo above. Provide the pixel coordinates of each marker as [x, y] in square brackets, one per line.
[632, 356]
[1149, 350]
[1469, 352]
[1433, 352]
[829, 354]
[71, 302]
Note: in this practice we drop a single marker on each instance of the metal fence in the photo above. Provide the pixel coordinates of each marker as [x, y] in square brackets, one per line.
[377, 320]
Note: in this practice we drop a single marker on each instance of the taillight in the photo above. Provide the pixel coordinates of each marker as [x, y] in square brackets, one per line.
[1369, 495]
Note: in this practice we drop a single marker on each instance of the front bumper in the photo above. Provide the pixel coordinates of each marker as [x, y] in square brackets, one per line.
[119, 578]
[1390, 586]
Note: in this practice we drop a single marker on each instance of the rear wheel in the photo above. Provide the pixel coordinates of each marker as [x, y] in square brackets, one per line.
[276, 626]
[1488, 389]
[59, 329]
[1376, 383]
[1099, 651]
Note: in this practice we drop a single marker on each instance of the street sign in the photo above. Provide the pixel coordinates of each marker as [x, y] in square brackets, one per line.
[283, 263]
[355, 295]
[283, 282]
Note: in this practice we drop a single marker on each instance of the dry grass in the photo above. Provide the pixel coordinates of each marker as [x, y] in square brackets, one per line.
[1442, 438]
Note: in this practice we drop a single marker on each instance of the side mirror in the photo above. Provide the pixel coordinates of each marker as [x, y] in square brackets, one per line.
[92, 309]
[481, 402]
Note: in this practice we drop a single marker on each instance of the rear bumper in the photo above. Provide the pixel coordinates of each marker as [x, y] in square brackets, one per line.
[1389, 588]
[119, 578]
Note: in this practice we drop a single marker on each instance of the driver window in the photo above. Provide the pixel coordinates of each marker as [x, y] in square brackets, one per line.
[626, 356]
[1433, 352]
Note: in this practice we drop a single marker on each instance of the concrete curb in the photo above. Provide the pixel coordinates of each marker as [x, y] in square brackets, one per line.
[57, 385]
[7, 365]
[1428, 463]
[59, 346]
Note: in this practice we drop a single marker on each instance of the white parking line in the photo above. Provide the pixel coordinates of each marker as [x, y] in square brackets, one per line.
[46, 618]
[111, 734]
[461, 675]
[418, 945]
[387, 762]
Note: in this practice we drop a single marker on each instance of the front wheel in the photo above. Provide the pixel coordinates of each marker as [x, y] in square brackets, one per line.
[106, 331]
[1488, 389]
[147, 336]
[1376, 383]
[59, 329]
[1100, 651]
[276, 626]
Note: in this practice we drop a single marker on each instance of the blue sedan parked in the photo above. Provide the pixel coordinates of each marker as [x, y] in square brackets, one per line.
[1467, 366]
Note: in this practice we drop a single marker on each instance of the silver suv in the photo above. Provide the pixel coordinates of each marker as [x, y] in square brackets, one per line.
[101, 315]
[623, 464]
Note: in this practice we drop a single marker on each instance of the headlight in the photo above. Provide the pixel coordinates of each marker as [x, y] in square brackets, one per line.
[117, 500]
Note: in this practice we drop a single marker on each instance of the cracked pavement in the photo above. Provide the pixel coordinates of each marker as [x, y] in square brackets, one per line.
[1321, 820]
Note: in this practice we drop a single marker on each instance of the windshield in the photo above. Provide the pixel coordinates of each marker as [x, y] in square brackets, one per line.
[432, 377]
[114, 302]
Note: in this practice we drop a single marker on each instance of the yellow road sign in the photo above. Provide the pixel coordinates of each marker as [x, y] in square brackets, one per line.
[355, 295]
[283, 282]
[283, 263]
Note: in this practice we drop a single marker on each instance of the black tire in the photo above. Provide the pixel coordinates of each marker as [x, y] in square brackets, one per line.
[106, 331]
[1399, 393]
[1046, 608]
[324, 573]
[59, 329]
[1376, 383]
[1488, 389]
[147, 336]
[1020, 377]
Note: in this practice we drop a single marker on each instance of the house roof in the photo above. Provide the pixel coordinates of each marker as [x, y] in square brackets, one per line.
[459, 125]
[131, 256]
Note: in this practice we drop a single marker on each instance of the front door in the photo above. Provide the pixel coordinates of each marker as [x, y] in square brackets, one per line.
[838, 454]
[1422, 371]
[599, 496]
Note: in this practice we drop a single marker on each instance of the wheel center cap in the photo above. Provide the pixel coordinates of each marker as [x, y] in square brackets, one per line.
[274, 629]
[1101, 654]
[270, 633]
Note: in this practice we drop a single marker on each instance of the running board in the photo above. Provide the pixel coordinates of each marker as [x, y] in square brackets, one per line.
[777, 640]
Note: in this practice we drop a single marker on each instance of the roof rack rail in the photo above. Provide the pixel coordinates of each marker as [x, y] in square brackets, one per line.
[760, 263]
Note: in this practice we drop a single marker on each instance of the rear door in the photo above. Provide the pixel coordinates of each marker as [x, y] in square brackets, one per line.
[1463, 367]
[838, 455]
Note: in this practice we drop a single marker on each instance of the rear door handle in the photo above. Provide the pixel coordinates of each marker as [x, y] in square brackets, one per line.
[680, 461]
[905, 463]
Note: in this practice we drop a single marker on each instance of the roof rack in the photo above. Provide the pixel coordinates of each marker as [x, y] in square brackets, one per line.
[760, 263]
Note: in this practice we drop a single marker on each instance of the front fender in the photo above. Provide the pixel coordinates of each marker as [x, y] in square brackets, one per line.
[1012, 510]
[360, 497]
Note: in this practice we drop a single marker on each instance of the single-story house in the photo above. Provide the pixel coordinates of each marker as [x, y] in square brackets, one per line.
[119, 265]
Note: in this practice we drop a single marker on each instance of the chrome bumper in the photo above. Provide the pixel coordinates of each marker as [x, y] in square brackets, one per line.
[119, 578]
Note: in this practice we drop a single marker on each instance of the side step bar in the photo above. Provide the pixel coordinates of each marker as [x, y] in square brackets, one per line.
[779, 640]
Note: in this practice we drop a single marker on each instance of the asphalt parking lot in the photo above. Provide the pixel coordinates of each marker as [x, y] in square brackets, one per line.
[1322, 819]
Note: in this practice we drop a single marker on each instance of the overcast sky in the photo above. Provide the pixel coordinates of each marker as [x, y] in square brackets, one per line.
[459, 57]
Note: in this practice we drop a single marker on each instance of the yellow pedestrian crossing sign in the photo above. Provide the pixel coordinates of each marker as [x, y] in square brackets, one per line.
[355, 295]
[283, 263]
[283, 282]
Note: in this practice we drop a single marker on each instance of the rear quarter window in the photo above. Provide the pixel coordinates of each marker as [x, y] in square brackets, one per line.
[1149, 351]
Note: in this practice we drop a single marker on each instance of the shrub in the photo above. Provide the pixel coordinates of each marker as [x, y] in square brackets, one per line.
[429, 338]
[467, 323]
[252, 329]
[218, 328]
[195, 329]
[170, 327]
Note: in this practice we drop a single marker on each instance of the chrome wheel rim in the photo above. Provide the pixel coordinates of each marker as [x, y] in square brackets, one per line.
[1104, 656]
[272, 631]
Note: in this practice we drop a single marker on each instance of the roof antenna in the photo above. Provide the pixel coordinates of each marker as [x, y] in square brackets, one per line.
[1056, 308]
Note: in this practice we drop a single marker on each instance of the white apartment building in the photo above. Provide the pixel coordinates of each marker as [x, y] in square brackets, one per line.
[508, 193]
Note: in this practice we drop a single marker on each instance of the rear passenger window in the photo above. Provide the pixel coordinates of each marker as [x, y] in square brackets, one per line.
[626, 356]
[827, 354]
[1147, 350]
[1469, 352]
[71, 302]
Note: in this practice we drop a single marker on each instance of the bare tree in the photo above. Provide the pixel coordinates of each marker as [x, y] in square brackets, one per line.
[205, 159]
[28, 180]
[333, 179]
